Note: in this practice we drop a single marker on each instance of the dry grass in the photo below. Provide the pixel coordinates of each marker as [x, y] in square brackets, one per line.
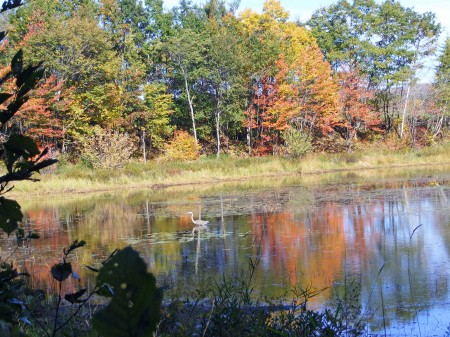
[80, 179]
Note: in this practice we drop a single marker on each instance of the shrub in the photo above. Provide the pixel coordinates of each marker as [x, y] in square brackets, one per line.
[107, 149]
[183, 147]
[298, 143]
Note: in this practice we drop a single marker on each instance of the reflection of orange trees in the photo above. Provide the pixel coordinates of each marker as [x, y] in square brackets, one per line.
[41, 256]
[43, 253]
[108, 225]
[310, 254]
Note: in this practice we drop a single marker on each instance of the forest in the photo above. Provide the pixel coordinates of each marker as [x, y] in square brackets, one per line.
[134, 78]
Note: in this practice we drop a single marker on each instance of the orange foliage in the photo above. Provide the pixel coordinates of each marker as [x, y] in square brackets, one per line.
[40, 116]
[303, 94]
[354, 105]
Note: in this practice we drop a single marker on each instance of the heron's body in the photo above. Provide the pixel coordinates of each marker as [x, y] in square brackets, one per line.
[198, 222]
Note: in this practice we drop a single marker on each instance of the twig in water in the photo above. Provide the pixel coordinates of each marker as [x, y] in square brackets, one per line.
[410, 237]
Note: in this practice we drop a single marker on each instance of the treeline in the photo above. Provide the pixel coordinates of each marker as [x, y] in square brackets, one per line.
[130, 76]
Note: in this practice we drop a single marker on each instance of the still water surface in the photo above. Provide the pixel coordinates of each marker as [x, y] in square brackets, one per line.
[388, 232]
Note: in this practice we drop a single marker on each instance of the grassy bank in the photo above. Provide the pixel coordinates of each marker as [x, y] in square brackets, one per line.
[67, 178]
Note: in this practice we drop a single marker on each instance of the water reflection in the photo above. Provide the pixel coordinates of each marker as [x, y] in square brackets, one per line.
[391, 231]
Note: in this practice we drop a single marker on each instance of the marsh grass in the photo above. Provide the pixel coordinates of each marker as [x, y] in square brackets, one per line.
[230, 307]
[161, 173]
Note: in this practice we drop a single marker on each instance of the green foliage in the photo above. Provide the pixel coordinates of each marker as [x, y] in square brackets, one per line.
[384, 39]
[135, 304]
[442, 82]
[154, 121]
[183, 147]
[298, 143]
[107, 149]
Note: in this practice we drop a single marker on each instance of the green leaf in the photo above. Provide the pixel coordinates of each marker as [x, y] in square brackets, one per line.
[61, 271]
[17, 63]
[10, 215]
[4, 96]
[22, 146]
[134, 309]
[75, 297]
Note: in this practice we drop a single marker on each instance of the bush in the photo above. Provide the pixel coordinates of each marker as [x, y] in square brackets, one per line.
[298, 143]
[107, 149]
[183, 147]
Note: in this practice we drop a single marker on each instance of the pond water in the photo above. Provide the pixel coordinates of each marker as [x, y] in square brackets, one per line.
[385, 235]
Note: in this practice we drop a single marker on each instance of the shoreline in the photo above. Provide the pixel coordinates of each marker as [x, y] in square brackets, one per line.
[112, 186]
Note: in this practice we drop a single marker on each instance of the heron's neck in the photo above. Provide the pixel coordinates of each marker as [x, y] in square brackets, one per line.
[192, 217]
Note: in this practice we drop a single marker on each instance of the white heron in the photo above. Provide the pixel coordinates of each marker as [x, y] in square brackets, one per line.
[198, 222]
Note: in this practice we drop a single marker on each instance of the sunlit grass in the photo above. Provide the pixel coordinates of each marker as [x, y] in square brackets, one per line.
[68, 178]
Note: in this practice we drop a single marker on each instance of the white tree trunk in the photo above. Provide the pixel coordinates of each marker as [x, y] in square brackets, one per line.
[218, 130]
[191, 107]
[402, 127]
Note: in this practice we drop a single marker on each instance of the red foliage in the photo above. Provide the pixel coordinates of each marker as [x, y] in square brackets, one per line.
[356, 113]
[40, 117]
[265, 94]
[40, 114]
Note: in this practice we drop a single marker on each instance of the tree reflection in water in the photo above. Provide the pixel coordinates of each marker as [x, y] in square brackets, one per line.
[304, 235]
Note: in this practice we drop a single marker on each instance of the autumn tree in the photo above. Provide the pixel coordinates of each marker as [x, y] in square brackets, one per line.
[387, 40]
[355, 112]
[303, 92]
[265, 94]
[41, 117]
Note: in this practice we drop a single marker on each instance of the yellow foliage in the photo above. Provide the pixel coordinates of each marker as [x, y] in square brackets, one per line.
[305, 82]
[272, 27]
[183, 147]
[273, 9]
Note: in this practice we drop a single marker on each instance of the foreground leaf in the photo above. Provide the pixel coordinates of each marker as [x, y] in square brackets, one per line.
[10, 215]
[75, 297]
[22, 146]
[61, 271]
[134, 309]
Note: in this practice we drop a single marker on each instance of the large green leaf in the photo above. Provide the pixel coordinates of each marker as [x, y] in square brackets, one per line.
[134, 309]
[10, 215]
[22, 146]
[61, 271]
